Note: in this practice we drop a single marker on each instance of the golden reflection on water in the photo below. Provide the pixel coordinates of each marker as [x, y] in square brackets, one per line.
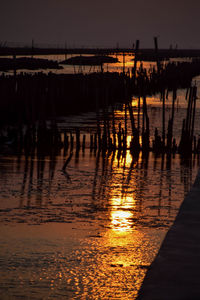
[120, 220]
[134, 102]
[121, 213]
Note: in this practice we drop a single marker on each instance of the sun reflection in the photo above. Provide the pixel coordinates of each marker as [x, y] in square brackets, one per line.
[121, 220]
[122, 214]
[122, 203]
[126, 159]
[134, 102]
[128, 156]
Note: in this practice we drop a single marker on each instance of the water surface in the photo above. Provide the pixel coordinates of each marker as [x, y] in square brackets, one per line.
[90, 232]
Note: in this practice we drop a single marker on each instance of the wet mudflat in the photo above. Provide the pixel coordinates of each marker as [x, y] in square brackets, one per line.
[90, 232]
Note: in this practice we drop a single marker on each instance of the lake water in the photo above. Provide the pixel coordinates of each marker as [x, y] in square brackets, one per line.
[90, 232]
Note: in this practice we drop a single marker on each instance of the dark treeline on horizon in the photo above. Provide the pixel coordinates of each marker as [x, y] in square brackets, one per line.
[144, 53]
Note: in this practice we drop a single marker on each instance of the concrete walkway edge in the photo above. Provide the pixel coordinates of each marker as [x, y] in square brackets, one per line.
[175, 272]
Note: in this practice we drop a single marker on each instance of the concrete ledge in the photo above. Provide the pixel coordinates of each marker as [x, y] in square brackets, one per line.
[175, 272]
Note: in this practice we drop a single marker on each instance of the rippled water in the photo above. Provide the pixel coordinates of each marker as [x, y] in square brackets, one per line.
[90, 232]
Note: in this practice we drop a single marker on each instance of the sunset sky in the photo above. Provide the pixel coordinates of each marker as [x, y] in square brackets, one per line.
[101, 23]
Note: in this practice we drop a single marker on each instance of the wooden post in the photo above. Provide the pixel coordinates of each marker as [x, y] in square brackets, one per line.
[91, 141]
[136, 57]
[173, 104]
[163, 118]
[188, 111]
[124, 63]
[143, 114]
[95, 141]
[131, 118]
[170, 124]
[139, 116]
[119, 137]
[83, 143]
[125, 128]
[98, 119]
[77, 138]
[145, 127]
[66, 141]
[113, 127]
[156, 52]
[71, 141]
[194, 110]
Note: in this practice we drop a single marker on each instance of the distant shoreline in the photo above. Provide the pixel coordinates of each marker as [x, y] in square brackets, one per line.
[142, 53]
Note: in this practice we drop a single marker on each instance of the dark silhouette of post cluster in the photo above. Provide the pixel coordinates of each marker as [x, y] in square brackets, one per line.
[32, 99]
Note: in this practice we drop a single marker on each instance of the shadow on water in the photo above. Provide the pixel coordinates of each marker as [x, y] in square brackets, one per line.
[150, 182]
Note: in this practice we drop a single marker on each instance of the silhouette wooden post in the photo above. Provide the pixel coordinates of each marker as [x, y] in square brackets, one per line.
[125, 127]
[131, 118]
[97, 116]
[136, 58]
[170, 124]
[163, 118]
[113, 128]
[124, 63]
[91, 141]
[66, 141]
[71, 142]
[77, 139]
[139, 115]
[83, 142]
[95, 141]
[193, 114]
[119, 138]
[145, 127]
[156, 52]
